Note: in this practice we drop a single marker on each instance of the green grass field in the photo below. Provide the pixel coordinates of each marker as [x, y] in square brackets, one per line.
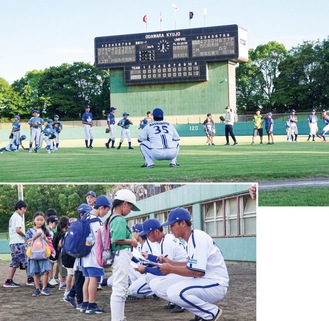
[198, 163]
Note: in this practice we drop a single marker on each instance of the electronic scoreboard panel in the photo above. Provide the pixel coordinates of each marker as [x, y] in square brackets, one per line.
[170, 56]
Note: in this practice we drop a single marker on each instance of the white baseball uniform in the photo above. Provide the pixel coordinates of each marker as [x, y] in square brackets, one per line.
[159, 141]
[198, 295]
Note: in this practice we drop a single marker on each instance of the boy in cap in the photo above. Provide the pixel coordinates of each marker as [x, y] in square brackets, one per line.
[292, 118]
[269, 123]
[125, 123]
[111, 127]
[35, 129]
[58, 127]
[201, 282]
[258, 121]
[87, 121]
[91, 270]
[90, 198]
[159, 141]
[313, 125]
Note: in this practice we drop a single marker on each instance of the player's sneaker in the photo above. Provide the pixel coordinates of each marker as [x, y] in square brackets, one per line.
[70, 300]
[107, 145]
[219, 313]
[130, 148]
[177, 309]
[30, 150]
[94, 310]
[148, 166]
[173, 164]
[45, 291]
[11, 284]
[53, 282]
[36, 293]
[30, 281]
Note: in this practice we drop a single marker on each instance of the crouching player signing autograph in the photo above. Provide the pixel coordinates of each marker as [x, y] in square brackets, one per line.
[202, 282]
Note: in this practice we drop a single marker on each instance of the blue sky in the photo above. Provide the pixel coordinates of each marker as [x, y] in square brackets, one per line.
[37, 34]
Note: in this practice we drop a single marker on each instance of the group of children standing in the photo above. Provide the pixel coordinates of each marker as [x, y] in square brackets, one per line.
[38, 134]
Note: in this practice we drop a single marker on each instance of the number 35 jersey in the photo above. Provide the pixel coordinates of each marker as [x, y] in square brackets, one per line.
[160, 134]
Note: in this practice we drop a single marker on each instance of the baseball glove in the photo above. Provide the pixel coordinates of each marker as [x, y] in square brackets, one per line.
[35, 124]
[222, 118]
[11, 135]
[127, 122]
[52, 136]
[107, 130]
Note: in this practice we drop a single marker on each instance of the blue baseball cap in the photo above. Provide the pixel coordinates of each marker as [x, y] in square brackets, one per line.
[150, 225]
[35, 111]
[84, 208]
[87, 106]
[49, 120]
[125, 114]
[103, 200]
[138, 227]
[177, 215]
[56, 116]
[292, 110]
[157, 112]
[91, 193]
[23, 137]
[18, 117]
[112, 108]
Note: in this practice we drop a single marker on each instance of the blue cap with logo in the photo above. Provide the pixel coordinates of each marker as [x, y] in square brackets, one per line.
[138, 227]
[177, 215]
[157, 112]
[150, 225]
[103, 200]
[83, 208]
[91, 193]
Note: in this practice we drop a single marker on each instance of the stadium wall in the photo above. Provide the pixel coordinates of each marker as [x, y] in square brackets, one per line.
[193, 196]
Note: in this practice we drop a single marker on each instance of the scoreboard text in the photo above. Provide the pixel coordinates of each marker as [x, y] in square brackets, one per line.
[170, 56]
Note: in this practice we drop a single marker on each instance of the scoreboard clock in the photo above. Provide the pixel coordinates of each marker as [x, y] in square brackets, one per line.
[171, 56]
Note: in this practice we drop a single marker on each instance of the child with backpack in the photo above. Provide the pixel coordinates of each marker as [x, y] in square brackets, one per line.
[79, 279]
[39, 265]
[91, 270]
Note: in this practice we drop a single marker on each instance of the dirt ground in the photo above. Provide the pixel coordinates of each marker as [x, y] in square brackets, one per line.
[18, 304]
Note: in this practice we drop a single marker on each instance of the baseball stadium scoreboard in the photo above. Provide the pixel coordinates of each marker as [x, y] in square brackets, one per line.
[170, 56]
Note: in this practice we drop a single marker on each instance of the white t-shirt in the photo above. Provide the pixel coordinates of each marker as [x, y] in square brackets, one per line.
[171, 247]
[205, 256]
[16, 220]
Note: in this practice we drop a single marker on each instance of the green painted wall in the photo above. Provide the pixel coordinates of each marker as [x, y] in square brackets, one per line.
[177, 98]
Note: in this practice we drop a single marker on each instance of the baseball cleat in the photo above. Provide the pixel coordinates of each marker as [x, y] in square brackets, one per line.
[173, 165]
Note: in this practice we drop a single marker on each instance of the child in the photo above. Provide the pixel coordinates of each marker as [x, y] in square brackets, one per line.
[209, 128]
[269, 123]
[16, 131]
[293, 125]
[79, 279]
[12, 147]
[87, 121]
[90, 268]
[58, 127]
[38, 268]
[111, 127]
[125, 131]
[122, 243]
[48, 135]
[52, 222]
[258, 121]
[35, 129]
[313, 125]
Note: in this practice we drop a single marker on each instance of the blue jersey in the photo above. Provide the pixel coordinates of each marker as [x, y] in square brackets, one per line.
[291, 117]
[57, 125]
[36, 122]
[16, 126]
[87, 117]
[48, 130]
[143, 123]
[326, 121]
[111, 119]
[124, 123]
[312, 119]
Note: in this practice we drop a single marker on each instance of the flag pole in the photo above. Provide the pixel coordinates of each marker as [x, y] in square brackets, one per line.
[175, 8]
[204, 16]
[160, 21]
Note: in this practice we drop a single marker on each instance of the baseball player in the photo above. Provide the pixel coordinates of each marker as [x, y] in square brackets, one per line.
[293, 125]
[313, 125]
[111, 127]
[258, 121]
[16, 131]
[87, 121]
[159, 141]
[200, 283]
[170, 247]
[12, 146]
[58, 127]
[325, 118]
[229, 122]
[35, 129]
[147, 120]
[125, 123]
[47, 135]
[209, 128]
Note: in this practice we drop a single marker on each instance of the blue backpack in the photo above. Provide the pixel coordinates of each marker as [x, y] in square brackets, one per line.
[76, 243]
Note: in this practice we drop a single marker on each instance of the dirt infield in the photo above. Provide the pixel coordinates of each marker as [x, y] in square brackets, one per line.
[18, 304]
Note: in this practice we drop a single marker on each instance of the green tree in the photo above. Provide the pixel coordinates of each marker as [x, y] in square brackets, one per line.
[10, 102]
[255, 80]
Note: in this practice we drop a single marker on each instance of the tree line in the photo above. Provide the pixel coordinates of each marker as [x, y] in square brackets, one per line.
[274, 79]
